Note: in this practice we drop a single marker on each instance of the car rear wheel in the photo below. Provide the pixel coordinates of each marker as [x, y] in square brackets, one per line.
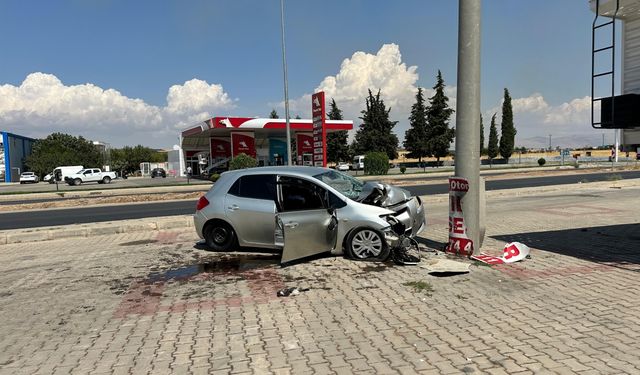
[219, 236]
[367, 244]
[106, 180]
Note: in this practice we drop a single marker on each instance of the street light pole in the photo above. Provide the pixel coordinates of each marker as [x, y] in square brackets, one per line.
[549, 142]
[286, 84]
[467, 111]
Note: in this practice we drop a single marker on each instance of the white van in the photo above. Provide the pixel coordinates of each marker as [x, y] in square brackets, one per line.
[358, 162]
[63, 172]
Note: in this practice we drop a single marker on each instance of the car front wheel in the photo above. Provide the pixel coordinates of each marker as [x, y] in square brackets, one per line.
[219, 236]
[367, 244]
[77, 182]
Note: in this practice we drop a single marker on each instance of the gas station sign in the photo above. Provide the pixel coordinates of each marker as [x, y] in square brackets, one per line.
[243, 143]
[318, 115]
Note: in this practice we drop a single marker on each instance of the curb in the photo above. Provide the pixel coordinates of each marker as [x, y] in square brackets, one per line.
[94, 229]
[105, 193]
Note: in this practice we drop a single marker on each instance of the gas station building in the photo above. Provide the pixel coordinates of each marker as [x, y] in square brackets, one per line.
[214, 141]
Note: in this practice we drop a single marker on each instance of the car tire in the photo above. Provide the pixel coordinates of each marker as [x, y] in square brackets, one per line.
[367, 244]
[152, 176]
[219, 236]
[77, 182]
[106, 180]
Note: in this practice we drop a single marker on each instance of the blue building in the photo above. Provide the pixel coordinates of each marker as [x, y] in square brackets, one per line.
[14, 149]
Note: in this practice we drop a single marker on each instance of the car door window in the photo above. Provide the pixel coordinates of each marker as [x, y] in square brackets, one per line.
[299, 194]
[255, 186]
[96, 171]
[87, 172]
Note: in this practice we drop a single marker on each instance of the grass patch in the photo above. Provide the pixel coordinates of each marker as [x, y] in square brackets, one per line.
[614, 177]
[420, 286]
[584, 181]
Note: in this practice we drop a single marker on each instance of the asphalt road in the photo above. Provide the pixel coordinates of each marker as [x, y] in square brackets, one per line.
[32, 219]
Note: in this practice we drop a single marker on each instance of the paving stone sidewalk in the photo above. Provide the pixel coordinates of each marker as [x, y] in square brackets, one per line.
[156, 302]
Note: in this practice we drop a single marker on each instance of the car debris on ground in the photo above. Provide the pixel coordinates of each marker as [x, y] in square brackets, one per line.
[512, 252]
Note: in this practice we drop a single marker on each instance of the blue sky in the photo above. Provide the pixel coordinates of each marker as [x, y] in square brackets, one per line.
[109, 65]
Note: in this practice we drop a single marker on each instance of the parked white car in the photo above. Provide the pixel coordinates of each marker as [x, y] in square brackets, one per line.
[90, 175]
[342, 167]
[28, 177]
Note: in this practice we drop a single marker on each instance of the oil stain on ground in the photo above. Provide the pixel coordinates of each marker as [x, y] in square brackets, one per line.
[225, 265]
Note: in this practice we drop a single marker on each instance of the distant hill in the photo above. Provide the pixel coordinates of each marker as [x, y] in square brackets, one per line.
[572, 141]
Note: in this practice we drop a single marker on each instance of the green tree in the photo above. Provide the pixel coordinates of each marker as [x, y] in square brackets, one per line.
[440, 135]
[375, 132]
[298, 117]
[242, 161]
[508, 129]
[128, 159]
[337, 146]
[492, 150]
[376, 163]
[481, 136]
[60, 149]
[273, 114]
[416, 137]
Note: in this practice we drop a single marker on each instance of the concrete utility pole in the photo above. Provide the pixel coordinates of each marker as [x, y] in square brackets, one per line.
[467, 111]
[286, 85]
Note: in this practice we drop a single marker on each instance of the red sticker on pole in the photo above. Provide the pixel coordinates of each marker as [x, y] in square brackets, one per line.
[459, 242]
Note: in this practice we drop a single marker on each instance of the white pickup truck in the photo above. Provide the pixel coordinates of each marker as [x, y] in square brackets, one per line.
[90, 175]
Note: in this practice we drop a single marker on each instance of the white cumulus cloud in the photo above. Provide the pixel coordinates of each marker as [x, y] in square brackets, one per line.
[383, 71]
[42, 104]
[569, 122]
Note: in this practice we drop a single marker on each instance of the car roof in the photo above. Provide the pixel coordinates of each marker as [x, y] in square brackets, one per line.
[290, 170]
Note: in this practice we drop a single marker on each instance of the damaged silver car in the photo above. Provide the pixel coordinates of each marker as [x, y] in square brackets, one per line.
[307, 211]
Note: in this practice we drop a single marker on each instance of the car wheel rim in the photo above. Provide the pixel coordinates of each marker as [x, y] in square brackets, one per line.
[366, 244]
[219, 235]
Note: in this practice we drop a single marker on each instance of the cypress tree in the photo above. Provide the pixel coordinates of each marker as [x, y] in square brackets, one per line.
[337, 146]
[508, 130]
[416, 137]
[375, 132]
[492, 150]
[273, 114]
[439, 133]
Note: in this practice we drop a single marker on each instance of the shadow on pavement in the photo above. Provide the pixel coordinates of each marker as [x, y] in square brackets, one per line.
[613, 245]
[437, 245]
[200, 245]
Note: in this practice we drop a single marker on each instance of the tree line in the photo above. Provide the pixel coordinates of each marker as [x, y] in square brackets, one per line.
[59, 149]
[429, 133]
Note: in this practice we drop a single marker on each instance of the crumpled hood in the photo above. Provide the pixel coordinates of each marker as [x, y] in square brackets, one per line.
[383, 195]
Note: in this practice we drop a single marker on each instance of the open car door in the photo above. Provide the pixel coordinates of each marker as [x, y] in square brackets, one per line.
[304, 234]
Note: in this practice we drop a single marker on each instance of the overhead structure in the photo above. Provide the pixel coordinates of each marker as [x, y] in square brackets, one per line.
[608, 110]
[216, 140]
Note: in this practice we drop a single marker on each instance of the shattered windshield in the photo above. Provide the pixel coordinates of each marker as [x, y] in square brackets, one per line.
[345, 184]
